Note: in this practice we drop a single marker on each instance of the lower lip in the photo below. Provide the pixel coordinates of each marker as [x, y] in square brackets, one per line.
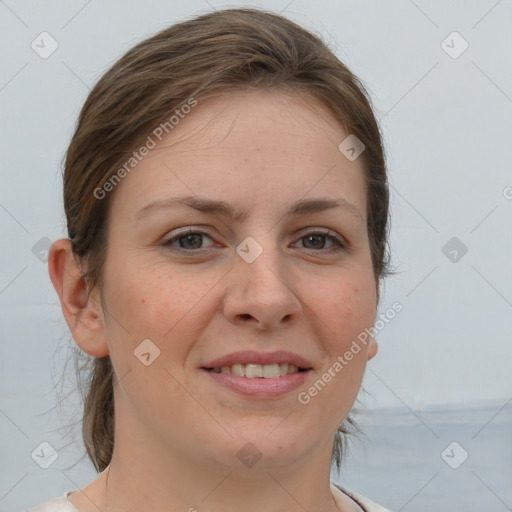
[260, 387]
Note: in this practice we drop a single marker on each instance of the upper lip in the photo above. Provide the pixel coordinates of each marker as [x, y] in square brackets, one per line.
[251, 356]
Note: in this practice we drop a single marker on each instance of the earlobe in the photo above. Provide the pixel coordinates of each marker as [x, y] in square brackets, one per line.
[373, 348]
[83, 314]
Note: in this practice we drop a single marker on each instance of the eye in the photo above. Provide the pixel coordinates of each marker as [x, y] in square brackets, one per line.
[316, 241]
[188, 240]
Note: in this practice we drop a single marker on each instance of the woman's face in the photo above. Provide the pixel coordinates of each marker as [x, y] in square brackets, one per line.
[267, 280]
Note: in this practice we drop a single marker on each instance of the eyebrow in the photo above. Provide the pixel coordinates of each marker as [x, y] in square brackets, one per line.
[211, 206]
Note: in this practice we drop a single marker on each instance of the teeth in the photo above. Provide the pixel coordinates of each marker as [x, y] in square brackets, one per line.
[238, 369]
[270, 371]
[254, 371]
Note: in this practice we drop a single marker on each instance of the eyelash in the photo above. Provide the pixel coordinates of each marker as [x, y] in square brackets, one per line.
[190, 231]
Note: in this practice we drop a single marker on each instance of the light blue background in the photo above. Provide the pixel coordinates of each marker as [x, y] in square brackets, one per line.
[442, 373]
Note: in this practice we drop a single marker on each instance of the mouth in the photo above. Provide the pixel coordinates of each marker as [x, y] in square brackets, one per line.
[259, 371]
[259, 375]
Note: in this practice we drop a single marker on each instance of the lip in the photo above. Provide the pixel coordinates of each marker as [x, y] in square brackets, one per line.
[251, 356]
[259, 387]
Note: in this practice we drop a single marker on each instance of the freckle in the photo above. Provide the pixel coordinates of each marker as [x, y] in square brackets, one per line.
[142, 301]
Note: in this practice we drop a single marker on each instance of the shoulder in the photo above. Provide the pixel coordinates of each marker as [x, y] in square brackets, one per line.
[57, 504]
[366, 504]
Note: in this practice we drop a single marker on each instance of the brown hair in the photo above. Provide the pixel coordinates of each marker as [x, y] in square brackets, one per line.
[231, 49]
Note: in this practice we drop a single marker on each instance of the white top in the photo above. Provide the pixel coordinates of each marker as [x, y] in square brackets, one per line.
[62, 504]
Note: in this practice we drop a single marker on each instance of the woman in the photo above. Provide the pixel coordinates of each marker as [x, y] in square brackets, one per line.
[227, 211]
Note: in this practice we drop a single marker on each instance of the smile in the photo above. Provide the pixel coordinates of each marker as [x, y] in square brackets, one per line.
[254, 371]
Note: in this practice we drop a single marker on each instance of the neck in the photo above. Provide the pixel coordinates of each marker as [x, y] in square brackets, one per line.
[162, 481]
[190, 475]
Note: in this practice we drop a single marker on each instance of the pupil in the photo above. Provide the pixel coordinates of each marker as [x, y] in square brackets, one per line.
[189, 238]
[316, 239]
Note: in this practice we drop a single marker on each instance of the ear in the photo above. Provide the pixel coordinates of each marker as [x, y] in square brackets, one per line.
[83, 315]
[373, 348]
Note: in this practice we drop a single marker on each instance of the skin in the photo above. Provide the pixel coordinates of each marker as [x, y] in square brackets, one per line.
[178, 433]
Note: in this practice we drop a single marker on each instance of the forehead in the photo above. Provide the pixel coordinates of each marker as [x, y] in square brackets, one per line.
[270, 147]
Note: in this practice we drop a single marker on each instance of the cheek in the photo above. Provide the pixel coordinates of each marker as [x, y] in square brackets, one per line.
[354, 313]
[346, 306]
[171, 308]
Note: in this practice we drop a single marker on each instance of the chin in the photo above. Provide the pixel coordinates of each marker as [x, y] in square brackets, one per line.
[270, 449]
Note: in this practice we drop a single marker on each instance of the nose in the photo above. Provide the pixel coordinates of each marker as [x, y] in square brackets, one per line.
[262, 293]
